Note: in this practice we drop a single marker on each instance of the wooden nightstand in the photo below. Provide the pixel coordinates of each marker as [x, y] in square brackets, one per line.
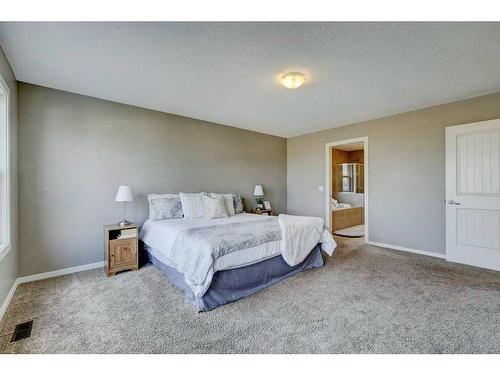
[120, 254]
[264, 212]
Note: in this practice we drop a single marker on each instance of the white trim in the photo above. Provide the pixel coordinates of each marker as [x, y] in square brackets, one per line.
[45, 275]
[7, 300]
[328, 179]
[64, 271]
[7, 245]
[407, 249]
[4, 250]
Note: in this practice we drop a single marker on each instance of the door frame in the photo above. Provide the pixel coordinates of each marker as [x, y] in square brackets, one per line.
[328, 179]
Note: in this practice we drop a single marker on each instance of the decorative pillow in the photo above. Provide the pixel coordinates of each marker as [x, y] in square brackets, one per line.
[166, 195]
[192, 205]
[154, 212]
[165, 208]
[238, 204]
[215, 207]
[229, 202]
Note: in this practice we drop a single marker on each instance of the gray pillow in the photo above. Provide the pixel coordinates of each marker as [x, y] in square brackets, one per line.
[238, 204]
[165, 208]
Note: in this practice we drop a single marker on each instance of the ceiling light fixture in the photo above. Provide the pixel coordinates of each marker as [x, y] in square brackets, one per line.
[293, 80]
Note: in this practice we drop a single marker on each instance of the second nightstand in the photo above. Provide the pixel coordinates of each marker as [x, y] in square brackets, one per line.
[121, 249]
[264, 212]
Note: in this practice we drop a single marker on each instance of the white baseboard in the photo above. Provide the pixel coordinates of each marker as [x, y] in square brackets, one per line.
[407, 249]
[6, 302]
[45, 275]
[64, 271]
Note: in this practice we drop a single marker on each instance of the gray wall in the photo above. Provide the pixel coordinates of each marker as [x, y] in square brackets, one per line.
[74, 151]
[8, 265]
[406, 171]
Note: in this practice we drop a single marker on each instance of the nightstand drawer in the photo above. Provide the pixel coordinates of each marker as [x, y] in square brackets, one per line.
[122, 252]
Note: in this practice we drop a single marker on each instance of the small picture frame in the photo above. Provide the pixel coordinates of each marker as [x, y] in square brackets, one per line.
[267, 205]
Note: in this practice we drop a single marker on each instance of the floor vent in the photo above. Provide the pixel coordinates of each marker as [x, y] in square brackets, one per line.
[22, 331]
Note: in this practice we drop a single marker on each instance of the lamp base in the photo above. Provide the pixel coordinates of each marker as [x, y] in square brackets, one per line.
[124, 223]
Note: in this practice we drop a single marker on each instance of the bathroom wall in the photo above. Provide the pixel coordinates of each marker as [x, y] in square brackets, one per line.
[357, 156]
[338, 157]
[341, 156]
[354, 199]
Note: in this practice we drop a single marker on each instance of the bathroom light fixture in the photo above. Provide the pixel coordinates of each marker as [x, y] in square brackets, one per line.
[293, 80]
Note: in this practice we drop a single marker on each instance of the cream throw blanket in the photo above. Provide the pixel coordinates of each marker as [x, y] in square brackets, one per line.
[300, 234]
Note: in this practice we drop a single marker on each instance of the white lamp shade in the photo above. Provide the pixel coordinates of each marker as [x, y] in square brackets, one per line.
[258, 191]
[124, 194]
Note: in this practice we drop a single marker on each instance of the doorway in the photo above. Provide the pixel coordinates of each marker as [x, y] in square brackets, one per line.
[346, 181]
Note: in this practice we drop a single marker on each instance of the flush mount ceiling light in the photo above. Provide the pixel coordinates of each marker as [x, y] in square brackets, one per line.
[293, 80]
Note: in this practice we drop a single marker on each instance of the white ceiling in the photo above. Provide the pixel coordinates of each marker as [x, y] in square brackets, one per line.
[351, 146]
[227, 72]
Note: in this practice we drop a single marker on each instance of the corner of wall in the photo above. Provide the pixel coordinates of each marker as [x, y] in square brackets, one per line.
[9, 264]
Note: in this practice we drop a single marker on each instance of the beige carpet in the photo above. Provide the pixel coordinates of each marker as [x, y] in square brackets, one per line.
[365, 300]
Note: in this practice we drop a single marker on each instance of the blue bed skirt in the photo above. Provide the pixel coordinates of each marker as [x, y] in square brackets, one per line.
[231, 285]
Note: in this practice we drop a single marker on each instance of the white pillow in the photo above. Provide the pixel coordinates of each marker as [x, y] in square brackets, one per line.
[229, 202]
[215, 207]
[192, 205]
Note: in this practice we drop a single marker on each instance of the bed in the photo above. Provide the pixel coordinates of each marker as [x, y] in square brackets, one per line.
[217, 261]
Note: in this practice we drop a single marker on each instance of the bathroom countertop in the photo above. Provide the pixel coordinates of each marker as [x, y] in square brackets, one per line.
[343, 208]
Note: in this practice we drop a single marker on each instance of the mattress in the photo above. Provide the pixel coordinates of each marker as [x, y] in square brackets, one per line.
[160, 236]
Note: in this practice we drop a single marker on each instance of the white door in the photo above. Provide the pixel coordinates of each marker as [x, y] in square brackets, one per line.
[473, 194]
